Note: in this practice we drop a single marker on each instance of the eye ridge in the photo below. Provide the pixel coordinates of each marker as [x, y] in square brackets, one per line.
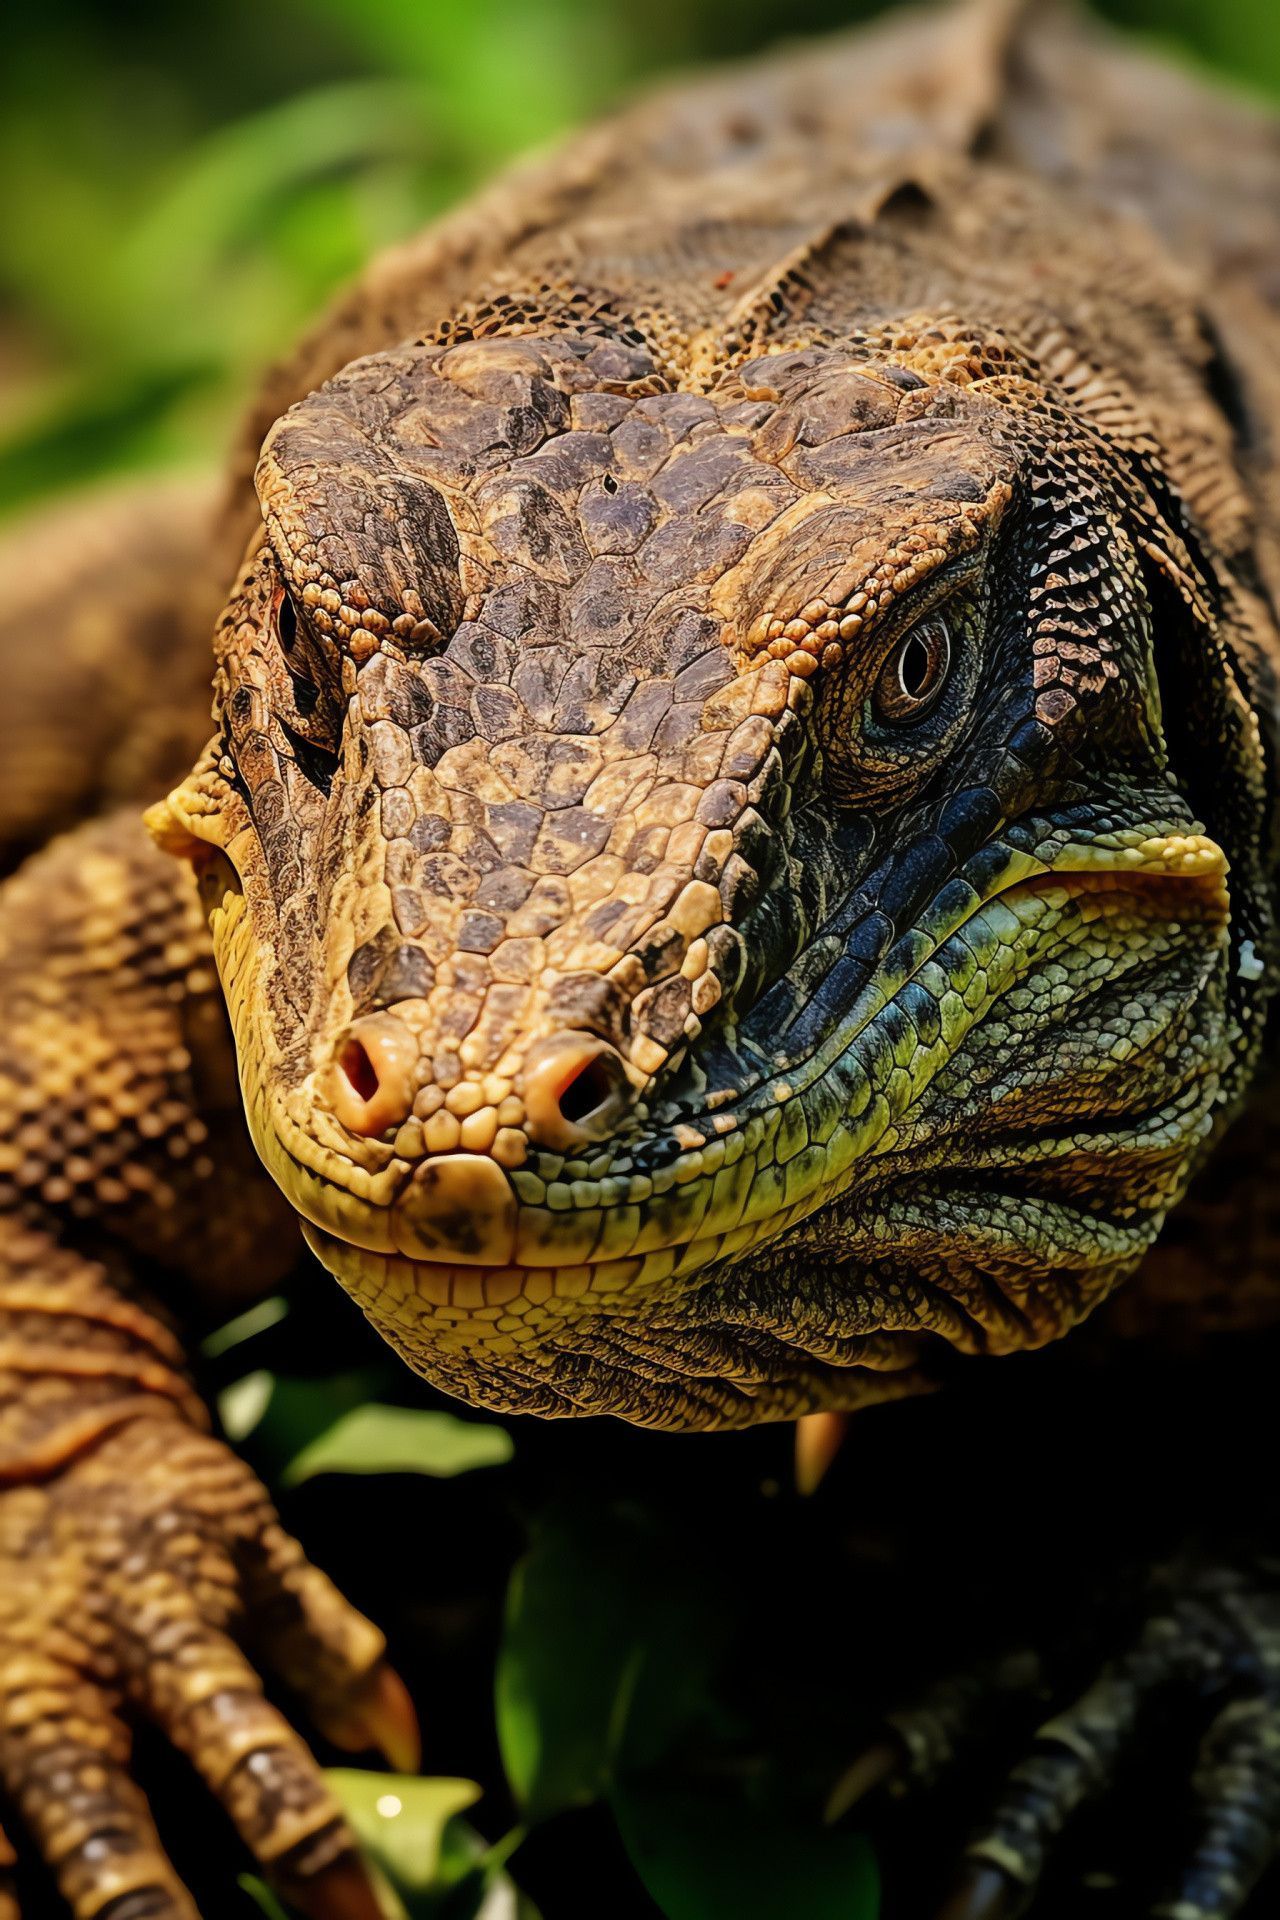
[911, 680]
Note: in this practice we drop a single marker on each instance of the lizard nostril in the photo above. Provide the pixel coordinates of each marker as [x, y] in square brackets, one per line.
[588, 1090]
[576, 1088]
[370, 1085]
[360, 1070]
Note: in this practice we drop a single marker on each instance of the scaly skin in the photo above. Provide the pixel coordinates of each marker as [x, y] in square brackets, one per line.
[120, 590]
[738, 847]
[135, 1549]
[554, 730]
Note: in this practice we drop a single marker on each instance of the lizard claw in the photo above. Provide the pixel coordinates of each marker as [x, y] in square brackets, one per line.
[379, 1714]
[982, 1893]
[873, 1766]
[819, 1437]
[340, 1891]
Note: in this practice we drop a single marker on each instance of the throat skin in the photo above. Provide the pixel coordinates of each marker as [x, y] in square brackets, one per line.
[775, 643]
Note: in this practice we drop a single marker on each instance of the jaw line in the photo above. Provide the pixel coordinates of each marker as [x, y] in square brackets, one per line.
[367, 1261]
[1192, 860]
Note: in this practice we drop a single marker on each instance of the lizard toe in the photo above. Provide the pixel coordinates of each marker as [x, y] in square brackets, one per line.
[1215, 1634]
[64, 1754]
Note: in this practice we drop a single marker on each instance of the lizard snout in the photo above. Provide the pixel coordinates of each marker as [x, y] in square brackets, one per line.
[576, 1088]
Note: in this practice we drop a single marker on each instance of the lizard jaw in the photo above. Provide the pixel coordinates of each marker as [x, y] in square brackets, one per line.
[461, 1263]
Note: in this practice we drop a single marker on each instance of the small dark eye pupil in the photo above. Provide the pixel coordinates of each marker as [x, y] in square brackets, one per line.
[287, 623]
[915, 667]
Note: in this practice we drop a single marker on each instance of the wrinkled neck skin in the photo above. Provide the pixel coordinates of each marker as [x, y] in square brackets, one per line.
[719, 889]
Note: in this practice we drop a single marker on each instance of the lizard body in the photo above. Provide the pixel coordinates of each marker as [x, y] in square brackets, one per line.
[738, 843]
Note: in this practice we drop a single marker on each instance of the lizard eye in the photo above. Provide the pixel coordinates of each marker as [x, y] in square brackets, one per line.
[305, 690]
[914, 674]
[287, 623]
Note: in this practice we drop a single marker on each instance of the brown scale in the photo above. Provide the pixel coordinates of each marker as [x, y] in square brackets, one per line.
[110, 1048]
[121, 592]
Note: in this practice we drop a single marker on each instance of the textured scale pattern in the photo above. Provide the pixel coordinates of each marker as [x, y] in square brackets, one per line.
[576, 788]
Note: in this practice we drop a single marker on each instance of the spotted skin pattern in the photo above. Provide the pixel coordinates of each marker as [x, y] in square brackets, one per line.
[736, 846]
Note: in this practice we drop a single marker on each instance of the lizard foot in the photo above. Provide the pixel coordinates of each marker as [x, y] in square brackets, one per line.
[132, 1582]
[1213, 1636]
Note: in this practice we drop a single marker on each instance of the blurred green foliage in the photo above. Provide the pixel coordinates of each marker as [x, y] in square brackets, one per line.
[609, 1686]
[181, 188]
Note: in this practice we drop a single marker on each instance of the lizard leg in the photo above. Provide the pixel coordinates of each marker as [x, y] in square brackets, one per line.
[137, 1552]
[121, 1584]
[256, 1575]
[130, 1567]
[1237, 1812]
[1217, 1631]
[135, 1549]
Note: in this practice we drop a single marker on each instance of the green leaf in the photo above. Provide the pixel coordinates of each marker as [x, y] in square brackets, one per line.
[212, 237]
[712, 1856]
[426, 1862]
[377, 1439]
[242, 1404]
[260, 1892]
[401, 1821]
[301, 1410]
[607, 1645]
[267, 1313]
[119, 421]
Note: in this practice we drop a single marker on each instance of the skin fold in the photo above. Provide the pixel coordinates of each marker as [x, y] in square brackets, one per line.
[736, 856]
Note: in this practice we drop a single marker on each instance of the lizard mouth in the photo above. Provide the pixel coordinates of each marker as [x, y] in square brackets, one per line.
[478, 1261]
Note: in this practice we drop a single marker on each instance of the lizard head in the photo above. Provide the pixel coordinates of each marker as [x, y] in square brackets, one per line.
[707, 886]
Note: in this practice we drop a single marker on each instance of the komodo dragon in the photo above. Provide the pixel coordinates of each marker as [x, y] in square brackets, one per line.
[738, 848]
